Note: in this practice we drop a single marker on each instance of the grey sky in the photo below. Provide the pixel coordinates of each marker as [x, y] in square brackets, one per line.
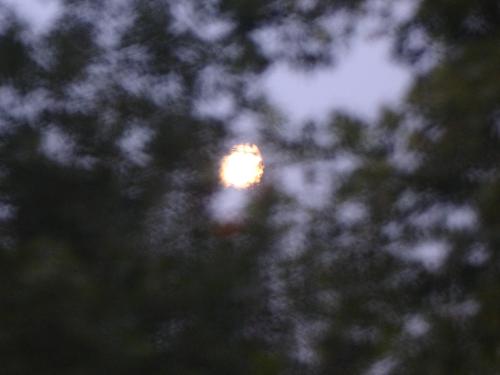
[39, 13]
[363, 80]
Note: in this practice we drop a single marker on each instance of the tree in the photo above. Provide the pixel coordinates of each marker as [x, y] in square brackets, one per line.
[112, 263]
[110, 260]
[410, 285]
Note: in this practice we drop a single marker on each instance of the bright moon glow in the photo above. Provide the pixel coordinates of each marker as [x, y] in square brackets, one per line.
[242, 167]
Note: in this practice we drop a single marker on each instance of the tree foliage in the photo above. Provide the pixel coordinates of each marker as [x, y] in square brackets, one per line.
[111, 261]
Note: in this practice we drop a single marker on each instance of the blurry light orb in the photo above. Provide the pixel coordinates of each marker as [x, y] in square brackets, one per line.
[243, 167]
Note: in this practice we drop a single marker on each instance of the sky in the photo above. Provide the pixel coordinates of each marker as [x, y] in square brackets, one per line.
[364, 79]
[361, 82]
[40, 13]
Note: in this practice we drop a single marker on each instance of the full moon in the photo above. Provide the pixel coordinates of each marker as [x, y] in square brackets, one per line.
[243, 167]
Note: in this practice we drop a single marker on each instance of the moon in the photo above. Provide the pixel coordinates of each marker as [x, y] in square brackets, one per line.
[243, 167]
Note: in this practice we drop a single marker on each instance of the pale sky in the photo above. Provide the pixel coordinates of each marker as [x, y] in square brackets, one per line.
[40, 13]
[363, 80]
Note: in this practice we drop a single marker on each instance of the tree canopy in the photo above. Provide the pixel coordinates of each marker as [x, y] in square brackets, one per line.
[111, 260]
